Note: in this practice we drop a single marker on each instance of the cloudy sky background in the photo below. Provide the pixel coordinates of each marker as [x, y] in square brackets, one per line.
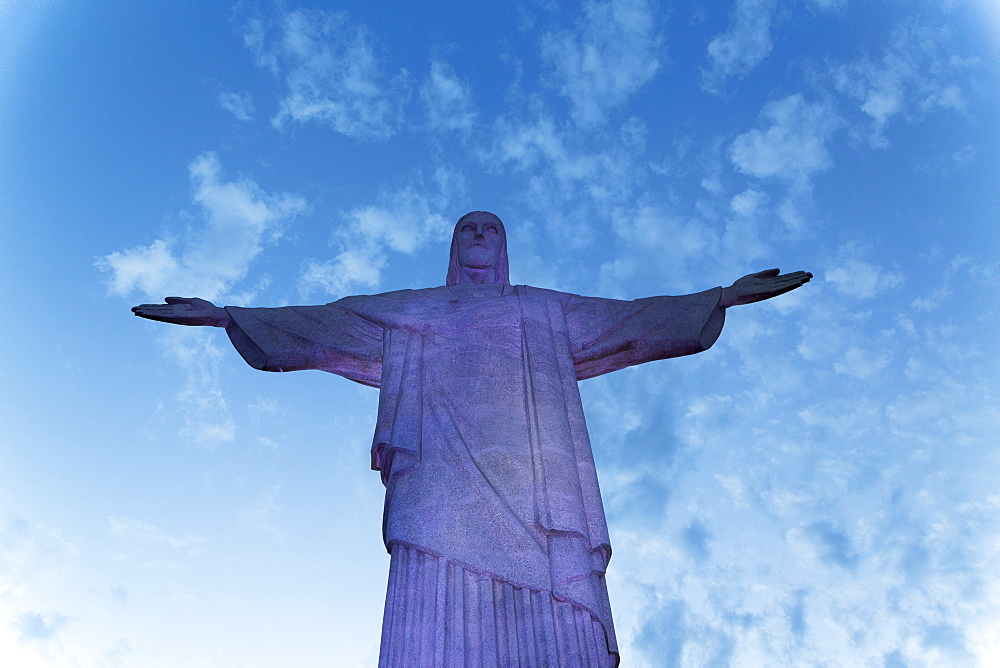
[820, 488]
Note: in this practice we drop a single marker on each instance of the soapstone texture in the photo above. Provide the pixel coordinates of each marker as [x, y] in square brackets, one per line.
[480, 437]
[493, 516]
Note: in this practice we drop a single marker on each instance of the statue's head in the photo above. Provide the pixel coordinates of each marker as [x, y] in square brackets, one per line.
[479, 247]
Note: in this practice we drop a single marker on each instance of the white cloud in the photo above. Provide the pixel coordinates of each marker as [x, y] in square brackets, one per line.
[837, 524]
[792, 213]
[656, 244]
[147, 547]
[359, 267]
[861, 363]
[829, 5]
[613, 50]
[332, 74]
[148, 269]
[238, 218]
[915, 73]
[744, 44]
[571, 183]
[794, 144]
[401, 222]
[539, 143]
[29, 551]
[853, 276]
[145, 533]
[791, 147]
[39, 626]
[239, 105]
[263, 514]
[204, 412]
[847, 506]
[37, 566]
[742, 243]
[447, 100]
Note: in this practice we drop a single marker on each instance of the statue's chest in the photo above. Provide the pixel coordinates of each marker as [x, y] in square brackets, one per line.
[455, 316]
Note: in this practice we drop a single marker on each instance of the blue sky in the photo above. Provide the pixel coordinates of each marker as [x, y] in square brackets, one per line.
[820, 488]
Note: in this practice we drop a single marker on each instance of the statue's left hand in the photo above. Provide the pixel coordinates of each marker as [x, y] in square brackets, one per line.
[762, 285]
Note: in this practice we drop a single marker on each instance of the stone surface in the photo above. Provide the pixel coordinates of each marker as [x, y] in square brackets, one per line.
[493, 514]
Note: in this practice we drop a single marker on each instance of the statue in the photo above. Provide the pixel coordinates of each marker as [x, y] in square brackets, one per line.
[493, 516]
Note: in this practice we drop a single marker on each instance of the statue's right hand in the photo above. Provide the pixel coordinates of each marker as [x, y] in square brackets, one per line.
[184, 311]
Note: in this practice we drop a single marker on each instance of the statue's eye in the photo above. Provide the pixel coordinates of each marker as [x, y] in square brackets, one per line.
[492, 229]
[468, 228]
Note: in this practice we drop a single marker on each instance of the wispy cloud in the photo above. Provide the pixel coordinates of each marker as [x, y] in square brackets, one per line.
[26, 546]
[332, 72]
[237, 220]
[807, 511]
[208, 259]
[204, 415]
[611, 52]
[447, 99]
[148, 534]
[39, 626]
[239, 105]
[745, 43]
[658, 244]
[31, 631]
[262, 515]
[854, 275]
[917, 72]
[569, 182]
[402, 221]
[824, 542]
[742, 241]
[148, 547]
[792, 146]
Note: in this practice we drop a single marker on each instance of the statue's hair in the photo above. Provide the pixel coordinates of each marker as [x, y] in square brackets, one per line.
[502, 268]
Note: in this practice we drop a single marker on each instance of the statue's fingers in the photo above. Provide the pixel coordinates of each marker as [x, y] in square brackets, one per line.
[787, 288]
[178, 300]
[155, 310]
[789, 285]
[797, 278]
[149, 315]
[804, 275]
[767, 273]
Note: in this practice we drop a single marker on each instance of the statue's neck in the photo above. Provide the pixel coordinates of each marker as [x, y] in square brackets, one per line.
[474, 275]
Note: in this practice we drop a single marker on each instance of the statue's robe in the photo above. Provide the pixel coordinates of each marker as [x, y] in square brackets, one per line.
[493, 516]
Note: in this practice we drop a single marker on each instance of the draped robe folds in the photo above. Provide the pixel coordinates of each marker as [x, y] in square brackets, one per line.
[482, 446]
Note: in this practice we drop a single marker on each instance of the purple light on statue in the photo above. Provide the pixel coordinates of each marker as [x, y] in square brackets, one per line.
[493, 515]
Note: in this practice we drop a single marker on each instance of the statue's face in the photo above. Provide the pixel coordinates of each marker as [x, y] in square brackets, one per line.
[479, 241]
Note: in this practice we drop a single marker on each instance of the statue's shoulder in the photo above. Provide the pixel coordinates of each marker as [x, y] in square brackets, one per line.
[545, 293]
[395, 296]
[443, 293]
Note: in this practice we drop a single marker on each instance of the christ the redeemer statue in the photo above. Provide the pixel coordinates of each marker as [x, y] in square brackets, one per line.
[493, 516]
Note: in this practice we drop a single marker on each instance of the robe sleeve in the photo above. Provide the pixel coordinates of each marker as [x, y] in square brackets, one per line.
[610, 334]
[332, 338]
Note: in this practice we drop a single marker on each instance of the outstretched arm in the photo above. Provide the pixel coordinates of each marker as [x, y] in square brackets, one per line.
[330, 337]
[185, 311]
[762, 285]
